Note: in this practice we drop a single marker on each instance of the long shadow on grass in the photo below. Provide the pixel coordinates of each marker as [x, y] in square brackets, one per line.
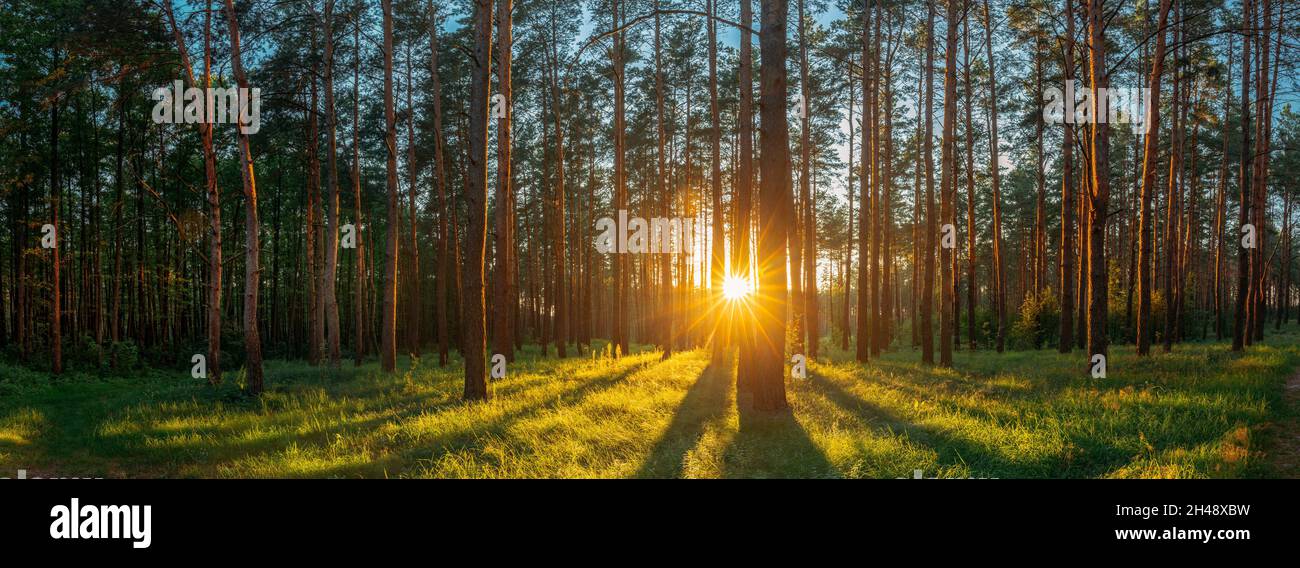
[393, 410]
[469, 438]
[773, 445]
[704, 404]
[952, 450]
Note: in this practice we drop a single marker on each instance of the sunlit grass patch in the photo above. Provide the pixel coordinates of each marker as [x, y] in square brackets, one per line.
[21, 426]
[1195, 412]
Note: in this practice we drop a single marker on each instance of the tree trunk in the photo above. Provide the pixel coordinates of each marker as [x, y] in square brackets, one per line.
[718, 264]
[472, 300]
[440, 177]
[665, 327]
[56, 308]
[359, 293]
[327, 289]
[745, 332]
[806, 276]
[949, 187]
[315, 235]
[558, 220]
[252, 240]
[1145, 221]
[622, 271]
[213, 193]
[505, 298]
[927, 288]
[1065, 342]
[774, 203]
[995, 173]
[864, 199]
[970, 187]
[1099, 200]
[1243, 253]
[412, 272]
[1221, 207]
[388, 348]
[1172, 211]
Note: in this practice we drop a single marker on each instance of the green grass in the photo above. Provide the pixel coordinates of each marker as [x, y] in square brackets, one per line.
[1198, 412]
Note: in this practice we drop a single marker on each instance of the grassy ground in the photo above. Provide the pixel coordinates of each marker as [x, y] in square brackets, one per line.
[1198, 412]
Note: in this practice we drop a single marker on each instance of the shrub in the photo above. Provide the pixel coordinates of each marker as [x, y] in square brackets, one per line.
[1038, 323]
[125, 355]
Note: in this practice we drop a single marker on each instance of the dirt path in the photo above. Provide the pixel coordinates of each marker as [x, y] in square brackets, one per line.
[1285, 453]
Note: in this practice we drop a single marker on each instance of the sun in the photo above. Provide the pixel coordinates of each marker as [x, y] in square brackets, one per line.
[735, 289]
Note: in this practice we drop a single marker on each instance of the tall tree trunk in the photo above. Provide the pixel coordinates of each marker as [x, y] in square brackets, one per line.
[865, 259]
[1099, 199]
[359, 293]
[995, 173]
[505, 297]
[440, 177]
[1243, 253]
[774, 203]
[873, 259]
[558, 222]
[718, 265]
[665, 326]
[327, 290]
[741, 240]
[388, 348]
[1066, 340]
[412, 272]
[927, 292]
[1172, 210]
[847, 332]
[1221, 207]
[1040, 183]
[1263, 112]
[806, 319]
[56, 308]
[472, 300]
[622, 271]
[1145, 221]
[970, 186]
[213, 359]
[948, 187]
[252, 240]
[315, 235]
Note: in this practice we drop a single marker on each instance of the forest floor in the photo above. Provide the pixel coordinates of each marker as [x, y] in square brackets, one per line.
[1200, 411]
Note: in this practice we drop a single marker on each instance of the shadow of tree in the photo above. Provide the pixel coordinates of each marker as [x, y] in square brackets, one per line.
[705, 403]
[774, 445]
[953, 450]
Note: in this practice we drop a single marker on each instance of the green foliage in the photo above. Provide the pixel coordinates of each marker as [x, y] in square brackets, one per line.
[125, 355]
[1038, 323]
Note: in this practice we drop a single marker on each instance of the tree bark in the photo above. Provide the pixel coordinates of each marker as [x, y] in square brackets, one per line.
[252, 240]
[440, 177]
[741, 240]
[472, 300]
[56, 307]
[505, 297]
[327, 290]
[948, 187]
[774, 204]
[1145, 221]
[557, 207]
[1243, 253]
[1065, 341]
[388, 348]
[359, 293]
[1099, 199]
[718, 264]
[927, 291]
